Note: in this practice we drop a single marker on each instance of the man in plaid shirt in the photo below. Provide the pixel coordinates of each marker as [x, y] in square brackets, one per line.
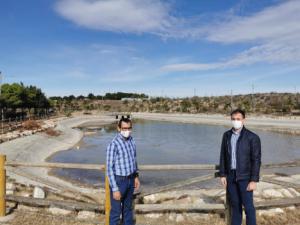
[122, 172]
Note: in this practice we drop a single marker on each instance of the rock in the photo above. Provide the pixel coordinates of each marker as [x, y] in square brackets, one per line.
[38, 192]
[270, 212]
[272, 193]
[197, 216]
[27, 132]
[11, 204]
[294, 192]
[26, 194]
[176, 217]
[27, 208]
[59, 211]
[172, 216]
[9, 192]
[10, 186]
[291, 207]
[86, 215]
[287, 193]
[154, 215]
[179, 218]
[199, 201]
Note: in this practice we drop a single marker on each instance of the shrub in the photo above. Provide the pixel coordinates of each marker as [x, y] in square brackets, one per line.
[31, 125]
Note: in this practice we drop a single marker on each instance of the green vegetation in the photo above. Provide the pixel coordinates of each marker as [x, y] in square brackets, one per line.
[120, 95]
[260, 103]
[17, 99]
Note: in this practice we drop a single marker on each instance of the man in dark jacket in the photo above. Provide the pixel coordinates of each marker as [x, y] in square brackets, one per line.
[240, 161]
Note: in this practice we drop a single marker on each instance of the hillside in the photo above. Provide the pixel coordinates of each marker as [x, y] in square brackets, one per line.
[260, 103]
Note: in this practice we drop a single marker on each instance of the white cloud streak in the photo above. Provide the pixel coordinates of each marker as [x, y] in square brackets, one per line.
[274, 33]
[129, 16]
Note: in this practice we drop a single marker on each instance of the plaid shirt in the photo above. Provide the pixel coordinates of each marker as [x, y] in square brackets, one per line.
[120, 159]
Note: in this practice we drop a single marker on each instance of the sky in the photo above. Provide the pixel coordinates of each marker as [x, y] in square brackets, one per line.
[173, 48]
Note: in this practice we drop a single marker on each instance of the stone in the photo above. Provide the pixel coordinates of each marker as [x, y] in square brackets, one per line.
[86, 215]
[38, 192]
[272, 193]
[294, 192]
[291, 207]
[9, 192]
[197, 216]
[10, 186]
[199, 201]
[172, 216]
[179, 218]
[287, 193]
[270, 212]
[153, 215]
[59, 211]
[27, 208]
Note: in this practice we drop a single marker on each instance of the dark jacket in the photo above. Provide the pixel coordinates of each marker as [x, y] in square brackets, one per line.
[248, 155]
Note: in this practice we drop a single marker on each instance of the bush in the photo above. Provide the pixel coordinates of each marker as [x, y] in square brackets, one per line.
[31, 125]
[52, 132]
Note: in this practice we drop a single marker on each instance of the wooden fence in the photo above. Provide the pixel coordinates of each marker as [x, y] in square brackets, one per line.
[139, 208]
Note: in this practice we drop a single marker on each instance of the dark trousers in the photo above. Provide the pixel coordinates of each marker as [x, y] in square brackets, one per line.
[238, 197]
[123, 207]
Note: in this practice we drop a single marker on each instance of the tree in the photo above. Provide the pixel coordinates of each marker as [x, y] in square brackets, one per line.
[91, 96]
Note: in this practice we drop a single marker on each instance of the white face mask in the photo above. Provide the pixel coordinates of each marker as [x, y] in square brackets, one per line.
[237, 124]
[125, 133]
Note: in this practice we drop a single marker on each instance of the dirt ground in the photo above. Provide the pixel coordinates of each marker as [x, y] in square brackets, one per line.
[290, 217]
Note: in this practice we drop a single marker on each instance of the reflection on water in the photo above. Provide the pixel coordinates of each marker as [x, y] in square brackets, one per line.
[170, 143]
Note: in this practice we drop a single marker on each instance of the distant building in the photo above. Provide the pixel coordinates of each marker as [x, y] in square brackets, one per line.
[295, 112]
[133, 99]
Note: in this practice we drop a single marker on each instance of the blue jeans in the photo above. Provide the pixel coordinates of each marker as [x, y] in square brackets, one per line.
[124, 206]
[238, 197]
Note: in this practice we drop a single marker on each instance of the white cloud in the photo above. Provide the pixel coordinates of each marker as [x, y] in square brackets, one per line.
[272, 23]
[136, 16]
[274, 33]
[191, 67]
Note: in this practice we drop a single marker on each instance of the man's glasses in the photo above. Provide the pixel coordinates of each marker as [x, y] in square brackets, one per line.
[126, 128]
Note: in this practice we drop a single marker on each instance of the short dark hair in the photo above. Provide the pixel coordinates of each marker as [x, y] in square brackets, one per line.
[236, 111]
[125, 120]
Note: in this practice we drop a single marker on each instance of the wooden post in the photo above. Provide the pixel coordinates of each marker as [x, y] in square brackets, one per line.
[107, 201]
[227, 210]
[2, 186]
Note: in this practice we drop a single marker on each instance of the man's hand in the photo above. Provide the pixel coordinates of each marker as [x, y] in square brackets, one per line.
[251, 186]
[137, 183]
[224, 182]
[117, 195]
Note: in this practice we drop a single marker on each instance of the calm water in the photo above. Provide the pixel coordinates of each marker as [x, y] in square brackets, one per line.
[170, 143]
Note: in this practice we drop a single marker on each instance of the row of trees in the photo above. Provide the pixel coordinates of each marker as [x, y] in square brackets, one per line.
[26, 98]
[107, 96]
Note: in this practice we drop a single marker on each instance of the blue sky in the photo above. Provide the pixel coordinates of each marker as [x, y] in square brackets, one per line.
[158, 47]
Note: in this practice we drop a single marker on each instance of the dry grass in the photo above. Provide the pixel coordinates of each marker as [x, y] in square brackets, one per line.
[42, 218]
[31, 125]
[52, 132]
[290, 217]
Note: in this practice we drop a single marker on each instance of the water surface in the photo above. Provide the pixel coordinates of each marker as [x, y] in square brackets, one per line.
[169, 143]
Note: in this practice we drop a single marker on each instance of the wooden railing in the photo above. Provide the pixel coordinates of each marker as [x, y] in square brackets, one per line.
[207, 167]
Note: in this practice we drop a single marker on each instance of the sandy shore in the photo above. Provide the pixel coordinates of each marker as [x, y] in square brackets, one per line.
[36, 148]
[290, 125]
